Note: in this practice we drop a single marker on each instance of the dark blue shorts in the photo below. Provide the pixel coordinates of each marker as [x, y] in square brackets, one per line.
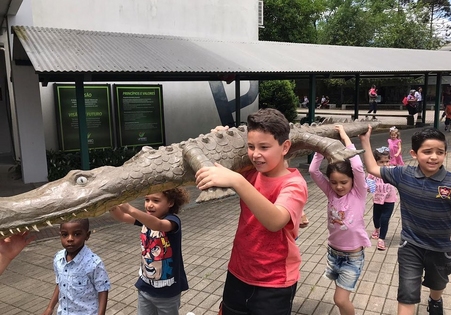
[241, 298]
[412, 261]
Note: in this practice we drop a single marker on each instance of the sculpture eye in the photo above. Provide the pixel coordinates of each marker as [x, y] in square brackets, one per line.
[81, 180]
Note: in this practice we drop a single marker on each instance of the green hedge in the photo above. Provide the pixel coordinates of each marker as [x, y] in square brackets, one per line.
[59, 163]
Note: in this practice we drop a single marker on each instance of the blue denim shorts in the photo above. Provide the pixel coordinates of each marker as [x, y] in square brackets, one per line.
[344, 267]
[412, 262]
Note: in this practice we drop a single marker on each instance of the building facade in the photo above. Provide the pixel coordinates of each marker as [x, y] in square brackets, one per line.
[27, 108]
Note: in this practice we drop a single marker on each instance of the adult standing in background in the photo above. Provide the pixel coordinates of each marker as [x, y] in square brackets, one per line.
[372, 96]
[412, 103]
[419, 98]
[418, 94]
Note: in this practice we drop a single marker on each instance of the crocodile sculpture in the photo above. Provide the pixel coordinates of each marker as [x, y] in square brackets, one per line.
[91, 193]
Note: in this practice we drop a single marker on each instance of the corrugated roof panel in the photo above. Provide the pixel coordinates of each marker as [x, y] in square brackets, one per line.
[327, 58]
[55, 50]
[66, 50]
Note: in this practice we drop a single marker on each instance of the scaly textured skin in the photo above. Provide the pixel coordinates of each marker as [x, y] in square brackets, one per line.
[91, 193]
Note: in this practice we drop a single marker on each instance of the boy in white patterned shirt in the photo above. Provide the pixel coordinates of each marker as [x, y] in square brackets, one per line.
[82, 282]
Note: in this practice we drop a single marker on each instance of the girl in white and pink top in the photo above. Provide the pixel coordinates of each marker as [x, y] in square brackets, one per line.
[384, 199]
[345, 187]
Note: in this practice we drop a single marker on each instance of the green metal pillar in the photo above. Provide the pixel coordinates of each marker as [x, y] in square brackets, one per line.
[82, 124]
[438, 98]
[356, 96]
[425, 89]
[312, 97]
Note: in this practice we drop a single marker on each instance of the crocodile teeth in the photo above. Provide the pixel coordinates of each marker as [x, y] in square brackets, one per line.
[49, 223]
[35, 228]
[1, 232]
[18, 230]
[11, 231]
[74, 214]
[85, 210]
[27, 228]
[62, 218]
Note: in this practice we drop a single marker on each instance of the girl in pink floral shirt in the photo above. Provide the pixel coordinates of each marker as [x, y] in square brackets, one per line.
[345, 188]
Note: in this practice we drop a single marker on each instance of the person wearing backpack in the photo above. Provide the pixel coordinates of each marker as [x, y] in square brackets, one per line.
[412, 103]
[372, 95]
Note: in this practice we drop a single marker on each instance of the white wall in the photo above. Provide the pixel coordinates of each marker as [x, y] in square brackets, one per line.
[30, 122]
[216, 19]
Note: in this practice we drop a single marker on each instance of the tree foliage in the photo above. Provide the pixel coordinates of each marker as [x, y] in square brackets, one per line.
[279, 94]
[345, 23]
[290, 20]
[416, 24]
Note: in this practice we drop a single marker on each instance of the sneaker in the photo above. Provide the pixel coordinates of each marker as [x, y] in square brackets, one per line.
[381, 245]
[435, 307]
[375, 234]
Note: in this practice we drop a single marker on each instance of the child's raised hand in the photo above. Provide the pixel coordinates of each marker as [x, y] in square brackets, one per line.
[343, 135]
[366, 136]
[340, 129]
[217, 176]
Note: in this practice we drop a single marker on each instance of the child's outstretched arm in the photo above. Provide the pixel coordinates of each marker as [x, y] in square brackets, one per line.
[129, 214]
[270, 216]
[368, 157]
[118, 213]
[148, 220]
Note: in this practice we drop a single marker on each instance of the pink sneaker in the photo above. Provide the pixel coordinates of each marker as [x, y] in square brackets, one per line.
[381, 245]
[375, 234]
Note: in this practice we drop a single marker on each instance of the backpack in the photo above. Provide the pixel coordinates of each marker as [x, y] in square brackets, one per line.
[405, 101]
[372, 93]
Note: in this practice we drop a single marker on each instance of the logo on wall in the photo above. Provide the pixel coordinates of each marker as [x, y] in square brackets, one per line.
[226, 107]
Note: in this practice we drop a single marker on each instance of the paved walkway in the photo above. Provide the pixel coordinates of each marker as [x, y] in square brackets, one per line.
[208, 230]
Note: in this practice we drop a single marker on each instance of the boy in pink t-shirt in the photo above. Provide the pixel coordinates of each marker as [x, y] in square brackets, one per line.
[264, 266]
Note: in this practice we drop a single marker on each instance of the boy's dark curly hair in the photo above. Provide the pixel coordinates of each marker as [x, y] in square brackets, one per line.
[177, 195]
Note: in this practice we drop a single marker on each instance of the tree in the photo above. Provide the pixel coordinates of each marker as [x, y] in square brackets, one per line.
[290, 20]
[346, 22]
[279, 94]
[425, 21]
[438, 16]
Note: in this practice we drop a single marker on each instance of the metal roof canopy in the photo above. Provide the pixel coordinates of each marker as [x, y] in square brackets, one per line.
[68, 55]
[62, 54]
